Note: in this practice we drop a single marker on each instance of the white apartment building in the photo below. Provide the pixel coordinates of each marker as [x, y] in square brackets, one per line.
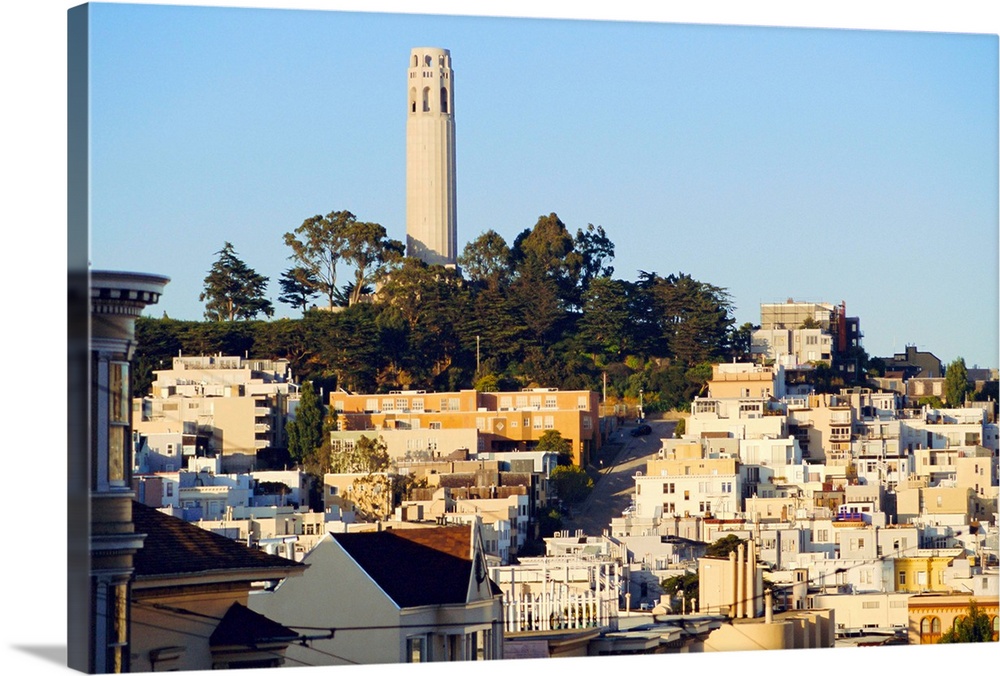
[689, 487]
[743, 418]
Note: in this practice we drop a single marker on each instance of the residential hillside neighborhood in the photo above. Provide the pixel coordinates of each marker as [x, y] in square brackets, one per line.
[764, 516]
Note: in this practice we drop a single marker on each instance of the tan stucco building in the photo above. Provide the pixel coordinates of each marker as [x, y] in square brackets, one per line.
[503, 421]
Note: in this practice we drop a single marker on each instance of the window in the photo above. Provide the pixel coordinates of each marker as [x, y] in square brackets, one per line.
[902, 577]
[583, 403]
[668, 487]
[434, 425]
[522, 401]
[454, 404]
[118, 420]
[549, 422]
[550, 401]
[371, 405]
[505, 403]
[727, 486]
[387, 405]
[668, 508]
[416, 649]
[537, 422]
[170, 490]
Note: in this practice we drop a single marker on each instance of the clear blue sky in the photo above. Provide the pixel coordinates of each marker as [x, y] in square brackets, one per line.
[822, 165]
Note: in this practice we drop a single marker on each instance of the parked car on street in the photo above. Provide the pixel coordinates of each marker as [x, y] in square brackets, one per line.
[641, 431]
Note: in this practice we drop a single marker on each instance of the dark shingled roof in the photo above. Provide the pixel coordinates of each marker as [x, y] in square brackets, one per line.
[243, 627]
[174, 546]
[415, 566]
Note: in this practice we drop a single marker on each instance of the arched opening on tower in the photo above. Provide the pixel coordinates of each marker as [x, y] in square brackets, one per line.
[428, 60]
[427, 99]
[444, 99]
[413, 99]
[416, 61]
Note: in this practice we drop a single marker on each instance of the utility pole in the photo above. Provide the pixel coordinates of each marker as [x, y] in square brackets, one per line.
[477, 356]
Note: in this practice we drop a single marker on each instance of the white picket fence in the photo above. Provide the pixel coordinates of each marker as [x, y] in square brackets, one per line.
[557, 608]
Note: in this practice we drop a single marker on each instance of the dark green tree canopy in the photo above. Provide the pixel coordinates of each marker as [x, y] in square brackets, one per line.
[572, 483]
[723, 546]
[298, 287]
[685, 584]
[976, 627]
[233, 290]
[486, 261]
[552, 442]
[956, 383]
[305, 430]
[543, 312]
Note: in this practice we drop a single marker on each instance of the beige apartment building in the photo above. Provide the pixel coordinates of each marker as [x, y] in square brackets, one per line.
[503, 421]
[240, 405]
[745, 380]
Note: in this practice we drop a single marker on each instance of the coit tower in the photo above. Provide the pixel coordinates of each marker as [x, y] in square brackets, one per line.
[431, 230]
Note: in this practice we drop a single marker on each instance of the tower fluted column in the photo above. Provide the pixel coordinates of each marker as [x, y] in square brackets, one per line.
[431, 215]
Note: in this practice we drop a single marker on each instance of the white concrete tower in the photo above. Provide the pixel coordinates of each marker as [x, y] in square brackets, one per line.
[431, 228]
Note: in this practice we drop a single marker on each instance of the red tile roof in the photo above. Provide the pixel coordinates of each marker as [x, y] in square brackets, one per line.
[174, 547]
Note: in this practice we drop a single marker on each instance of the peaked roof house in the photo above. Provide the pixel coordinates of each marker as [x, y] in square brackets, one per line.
[390, 596]
[189, 599]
